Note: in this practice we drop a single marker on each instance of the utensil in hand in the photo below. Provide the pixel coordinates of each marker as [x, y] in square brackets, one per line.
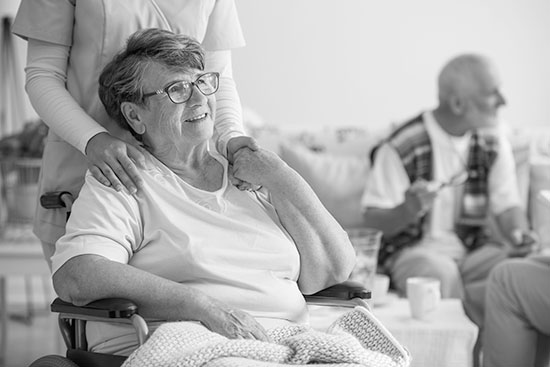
[457, 179]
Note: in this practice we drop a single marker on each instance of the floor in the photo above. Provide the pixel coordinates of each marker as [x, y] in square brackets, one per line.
[30, 337]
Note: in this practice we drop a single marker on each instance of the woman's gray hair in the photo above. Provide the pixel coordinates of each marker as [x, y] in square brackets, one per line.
[122, 79]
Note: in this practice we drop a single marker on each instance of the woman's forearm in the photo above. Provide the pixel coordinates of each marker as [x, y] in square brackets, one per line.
[326, 255]
[229, 119]
[45, 85]
[87, 278]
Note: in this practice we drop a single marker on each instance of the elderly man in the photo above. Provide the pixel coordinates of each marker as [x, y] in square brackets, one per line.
[435, 180]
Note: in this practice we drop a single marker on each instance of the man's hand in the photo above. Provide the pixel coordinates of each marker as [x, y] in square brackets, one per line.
[111, 162]
[524, 243]
[420, 196]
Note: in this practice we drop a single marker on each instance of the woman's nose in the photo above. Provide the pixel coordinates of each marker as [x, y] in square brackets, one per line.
[197, 98]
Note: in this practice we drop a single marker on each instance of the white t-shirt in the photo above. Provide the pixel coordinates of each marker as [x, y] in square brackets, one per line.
[228, 243]
[388, 181]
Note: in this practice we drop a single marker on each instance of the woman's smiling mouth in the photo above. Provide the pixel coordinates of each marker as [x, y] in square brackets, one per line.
[197, 118]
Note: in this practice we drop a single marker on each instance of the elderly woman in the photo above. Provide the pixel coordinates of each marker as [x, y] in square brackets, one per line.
[190, 246]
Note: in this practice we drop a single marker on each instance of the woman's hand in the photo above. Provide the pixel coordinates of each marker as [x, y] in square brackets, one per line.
[233, 323]
[111, 162]
[233, 146]
[261, 167]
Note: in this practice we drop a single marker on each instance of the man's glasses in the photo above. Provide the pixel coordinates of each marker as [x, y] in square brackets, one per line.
[180, 91]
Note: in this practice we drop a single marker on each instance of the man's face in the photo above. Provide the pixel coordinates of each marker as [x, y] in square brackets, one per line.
[484, 99]
[173, 124]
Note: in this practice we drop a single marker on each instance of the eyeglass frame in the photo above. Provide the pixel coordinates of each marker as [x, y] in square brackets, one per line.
[193, 83]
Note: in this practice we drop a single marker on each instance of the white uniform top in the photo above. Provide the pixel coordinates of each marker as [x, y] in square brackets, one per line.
[388, 181]
[92, 32]
[228, 243]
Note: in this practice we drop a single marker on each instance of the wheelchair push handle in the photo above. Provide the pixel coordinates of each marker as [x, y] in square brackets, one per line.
[57, 200]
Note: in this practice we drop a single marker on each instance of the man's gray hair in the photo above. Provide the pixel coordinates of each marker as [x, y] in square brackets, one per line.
[459, 74]
[122, 79]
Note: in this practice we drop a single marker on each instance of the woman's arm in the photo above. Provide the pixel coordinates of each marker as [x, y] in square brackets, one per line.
[229, 132]
[91, 263]
[87, 278]
[46, 76]
[229, 117]
[111, 160]
[326, 254]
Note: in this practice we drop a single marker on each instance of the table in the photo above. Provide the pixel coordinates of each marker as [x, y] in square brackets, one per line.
[17, 258]
[447, 340]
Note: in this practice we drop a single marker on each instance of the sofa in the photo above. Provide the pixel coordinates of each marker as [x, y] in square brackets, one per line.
[335, 162]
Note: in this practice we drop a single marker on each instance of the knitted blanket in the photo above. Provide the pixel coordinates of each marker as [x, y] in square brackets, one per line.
[355, 339]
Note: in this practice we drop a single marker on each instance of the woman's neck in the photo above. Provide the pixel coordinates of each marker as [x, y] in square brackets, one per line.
[193, 164]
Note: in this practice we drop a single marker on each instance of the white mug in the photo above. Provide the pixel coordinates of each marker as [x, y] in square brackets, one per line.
[424, 295]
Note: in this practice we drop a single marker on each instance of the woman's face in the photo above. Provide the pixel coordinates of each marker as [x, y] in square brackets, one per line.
[169, 124]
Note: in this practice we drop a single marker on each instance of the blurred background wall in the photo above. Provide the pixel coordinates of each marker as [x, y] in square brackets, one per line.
[15, 107]
[366, 62]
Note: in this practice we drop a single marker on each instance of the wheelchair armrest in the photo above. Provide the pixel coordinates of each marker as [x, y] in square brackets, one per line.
[347, 290]
[111, 308]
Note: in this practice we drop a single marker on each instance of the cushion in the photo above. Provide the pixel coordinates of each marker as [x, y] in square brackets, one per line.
[338, 180]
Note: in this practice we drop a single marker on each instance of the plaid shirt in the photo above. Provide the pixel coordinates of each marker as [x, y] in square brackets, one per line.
[413, 145]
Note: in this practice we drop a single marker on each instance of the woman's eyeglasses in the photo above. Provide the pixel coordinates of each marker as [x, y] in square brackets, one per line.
[181, 91]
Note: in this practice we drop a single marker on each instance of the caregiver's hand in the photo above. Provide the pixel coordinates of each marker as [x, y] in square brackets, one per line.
[240, 142]
[111, 162]
[232, 323]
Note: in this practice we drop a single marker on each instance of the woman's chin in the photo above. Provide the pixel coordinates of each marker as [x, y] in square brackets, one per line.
[200, 131]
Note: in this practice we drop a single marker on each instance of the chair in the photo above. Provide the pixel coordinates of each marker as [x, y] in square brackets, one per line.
[72, 319]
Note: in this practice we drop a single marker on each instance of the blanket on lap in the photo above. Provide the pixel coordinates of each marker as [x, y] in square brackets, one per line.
[355, 339]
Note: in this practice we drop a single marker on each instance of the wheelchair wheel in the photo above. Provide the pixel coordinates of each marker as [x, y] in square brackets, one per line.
[53, 361]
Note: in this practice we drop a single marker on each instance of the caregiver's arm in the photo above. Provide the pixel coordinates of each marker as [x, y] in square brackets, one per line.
[87, 278]
[326, 255]
[111, 160]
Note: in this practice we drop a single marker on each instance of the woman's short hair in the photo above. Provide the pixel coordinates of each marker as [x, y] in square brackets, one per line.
[122, 78]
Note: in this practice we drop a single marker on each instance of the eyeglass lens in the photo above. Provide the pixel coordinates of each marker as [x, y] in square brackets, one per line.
[181, 91]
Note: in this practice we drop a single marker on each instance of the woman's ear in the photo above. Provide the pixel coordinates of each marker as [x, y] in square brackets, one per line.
[133, 117]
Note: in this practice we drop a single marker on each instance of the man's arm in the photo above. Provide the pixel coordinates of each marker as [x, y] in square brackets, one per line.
[419, 199]
[512, 220]
[505, 201]
[384, 199]
[514, 225]
[390, 221]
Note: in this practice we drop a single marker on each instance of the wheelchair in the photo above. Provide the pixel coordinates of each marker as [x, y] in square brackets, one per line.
[72, 319]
